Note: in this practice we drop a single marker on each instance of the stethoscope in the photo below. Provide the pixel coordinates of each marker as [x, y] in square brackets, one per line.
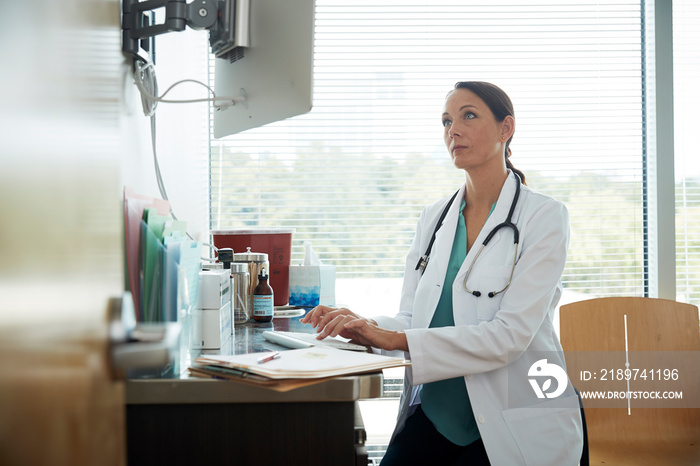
[423, 261]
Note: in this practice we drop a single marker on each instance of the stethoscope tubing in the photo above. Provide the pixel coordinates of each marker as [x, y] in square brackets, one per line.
[508, 223]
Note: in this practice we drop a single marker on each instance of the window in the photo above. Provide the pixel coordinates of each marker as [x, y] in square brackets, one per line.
[686, 56]
[353, 175]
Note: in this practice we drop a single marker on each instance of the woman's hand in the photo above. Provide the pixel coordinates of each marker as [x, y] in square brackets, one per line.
[331, 322]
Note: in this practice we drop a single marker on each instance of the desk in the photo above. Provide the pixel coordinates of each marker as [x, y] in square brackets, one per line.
[176, 419]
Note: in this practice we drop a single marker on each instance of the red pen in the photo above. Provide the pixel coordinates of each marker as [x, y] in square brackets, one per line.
[270, 357]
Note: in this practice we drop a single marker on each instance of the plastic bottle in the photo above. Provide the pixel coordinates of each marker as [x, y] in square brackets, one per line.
[263, 299]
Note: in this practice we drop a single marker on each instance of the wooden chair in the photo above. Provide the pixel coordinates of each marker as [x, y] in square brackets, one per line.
[636, 434]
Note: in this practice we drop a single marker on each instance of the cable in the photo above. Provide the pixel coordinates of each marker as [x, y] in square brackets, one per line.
[161, 184]
[145, 80]
[156, 165]
[147, 84]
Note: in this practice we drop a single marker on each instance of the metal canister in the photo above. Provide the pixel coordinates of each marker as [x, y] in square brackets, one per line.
[255, 262]
[240, 292]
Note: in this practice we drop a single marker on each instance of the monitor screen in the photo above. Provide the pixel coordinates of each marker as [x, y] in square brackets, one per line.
[274, 73]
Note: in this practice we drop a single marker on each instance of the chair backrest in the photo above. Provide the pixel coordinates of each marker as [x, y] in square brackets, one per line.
[613, 326]
[652, 325]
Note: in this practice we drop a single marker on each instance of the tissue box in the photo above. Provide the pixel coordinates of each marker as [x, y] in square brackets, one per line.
[311, 285]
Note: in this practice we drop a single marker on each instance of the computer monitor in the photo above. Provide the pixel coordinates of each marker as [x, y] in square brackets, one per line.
[274, 73]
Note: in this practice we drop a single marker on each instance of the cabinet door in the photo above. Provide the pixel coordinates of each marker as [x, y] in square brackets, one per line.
[60, 232]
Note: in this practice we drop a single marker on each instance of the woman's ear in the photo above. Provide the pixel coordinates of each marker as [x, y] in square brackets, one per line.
[507, 127]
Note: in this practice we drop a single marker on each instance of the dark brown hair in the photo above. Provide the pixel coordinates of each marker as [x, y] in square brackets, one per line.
[500, 105]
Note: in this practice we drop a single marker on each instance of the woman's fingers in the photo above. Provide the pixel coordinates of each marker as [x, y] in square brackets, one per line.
[331, 316]
[321, 316]
[331, 322]
[315, 315]
[334, 326]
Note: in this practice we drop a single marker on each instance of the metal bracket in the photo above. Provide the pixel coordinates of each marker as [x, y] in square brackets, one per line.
[220, 17]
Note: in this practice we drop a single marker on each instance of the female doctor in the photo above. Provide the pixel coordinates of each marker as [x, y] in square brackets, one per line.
[476, 309]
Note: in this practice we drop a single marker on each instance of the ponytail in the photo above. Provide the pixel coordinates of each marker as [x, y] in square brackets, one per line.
[509, 165]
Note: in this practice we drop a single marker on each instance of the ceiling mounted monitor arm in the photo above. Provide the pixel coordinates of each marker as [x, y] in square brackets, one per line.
[226, 20]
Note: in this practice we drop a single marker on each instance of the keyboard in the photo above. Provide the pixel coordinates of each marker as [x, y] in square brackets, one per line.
[307, 340]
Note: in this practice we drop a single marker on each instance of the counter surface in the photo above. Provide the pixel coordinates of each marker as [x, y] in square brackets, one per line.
[175, 386]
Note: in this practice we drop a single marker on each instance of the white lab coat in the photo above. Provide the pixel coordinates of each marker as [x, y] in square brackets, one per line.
[495, 341]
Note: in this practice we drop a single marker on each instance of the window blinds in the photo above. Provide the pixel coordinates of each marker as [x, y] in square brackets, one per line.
[686, 57]
[353, 175]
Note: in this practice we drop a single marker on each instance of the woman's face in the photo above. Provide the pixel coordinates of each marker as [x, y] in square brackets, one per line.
[472, 135]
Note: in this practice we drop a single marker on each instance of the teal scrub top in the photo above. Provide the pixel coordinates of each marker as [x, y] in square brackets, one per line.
[446, 402]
